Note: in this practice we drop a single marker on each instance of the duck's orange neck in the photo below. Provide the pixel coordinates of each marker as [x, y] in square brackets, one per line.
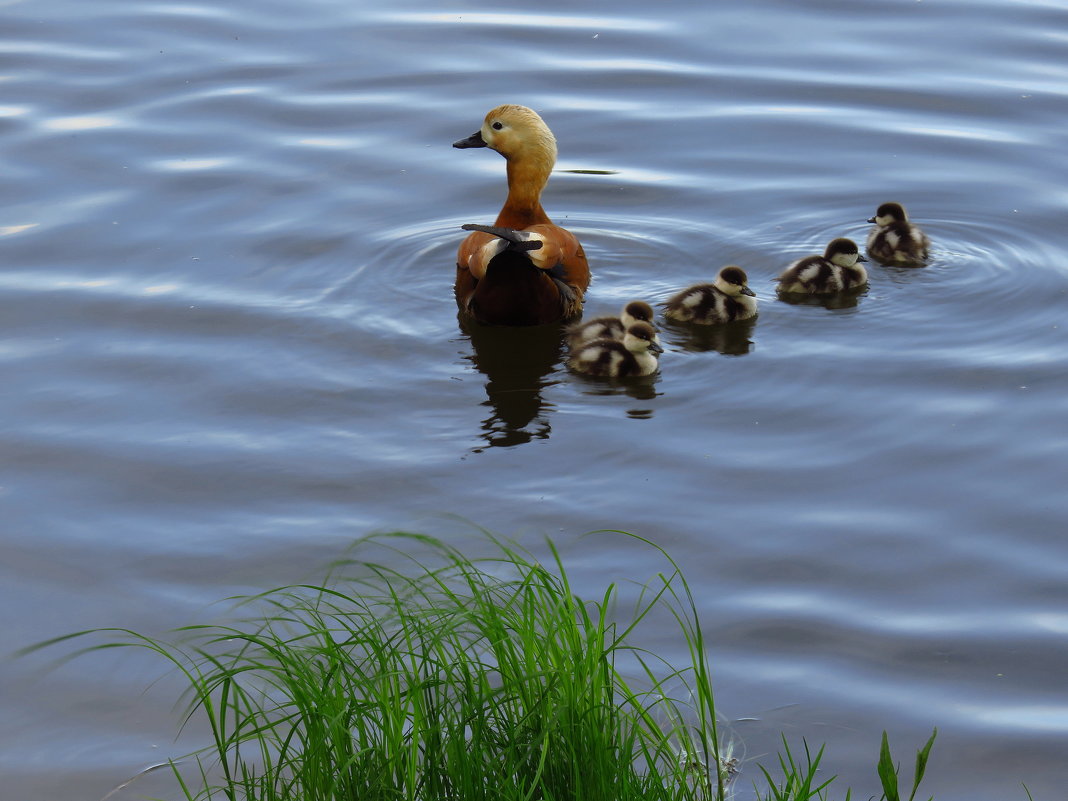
[523, 206]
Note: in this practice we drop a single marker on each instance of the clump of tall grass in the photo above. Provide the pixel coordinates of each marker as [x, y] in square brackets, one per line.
[448, 678]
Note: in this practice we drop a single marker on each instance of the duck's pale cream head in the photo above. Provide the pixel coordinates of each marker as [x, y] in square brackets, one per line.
[636, 311]
[843, 252]
[515, 132]
[641, 337]
[733, 281]
[889, 213]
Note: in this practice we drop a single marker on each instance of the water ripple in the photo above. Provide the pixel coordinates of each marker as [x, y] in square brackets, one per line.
[526, 20]
[231, 339]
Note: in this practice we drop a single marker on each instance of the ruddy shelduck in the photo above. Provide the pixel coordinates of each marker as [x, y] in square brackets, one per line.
[635, 311]
[728, 299]
[896, 241]
[524, 269]
[635, 355]
[837, 270]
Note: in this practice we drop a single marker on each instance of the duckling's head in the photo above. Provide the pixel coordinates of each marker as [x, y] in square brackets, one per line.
[514, 132]
[637, 311]
[843, 252]
[641, 337]
[733, 281]
[889, 213]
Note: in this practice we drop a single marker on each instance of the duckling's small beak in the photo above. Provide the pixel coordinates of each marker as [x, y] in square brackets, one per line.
[474, 140]
[871, 219]
[860, 258]
[656, 347]
[747, 291]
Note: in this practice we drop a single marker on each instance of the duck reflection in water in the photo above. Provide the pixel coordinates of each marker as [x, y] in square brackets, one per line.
[640, 387]
[730, 339]
[515, 361]
[838, 301]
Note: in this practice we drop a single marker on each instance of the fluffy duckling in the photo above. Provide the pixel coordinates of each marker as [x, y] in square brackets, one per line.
[636, 311]
[728, 299]
[635, 355]
[894, 240]
[502, 276]
[837, 270]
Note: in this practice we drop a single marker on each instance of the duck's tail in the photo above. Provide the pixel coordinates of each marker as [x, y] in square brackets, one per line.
[517, 240]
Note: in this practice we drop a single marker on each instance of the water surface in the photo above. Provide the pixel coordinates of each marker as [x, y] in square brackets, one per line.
[230, 347]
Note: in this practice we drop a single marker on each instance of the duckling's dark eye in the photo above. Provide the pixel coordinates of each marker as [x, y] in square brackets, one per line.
[497, 126]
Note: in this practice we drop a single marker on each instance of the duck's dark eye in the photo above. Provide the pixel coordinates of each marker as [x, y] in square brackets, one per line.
[497, 126]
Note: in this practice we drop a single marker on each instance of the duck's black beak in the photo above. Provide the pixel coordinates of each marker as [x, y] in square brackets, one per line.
[870, 219]
[747, 291]
[656, 347]
[860, 258]
[474, 140]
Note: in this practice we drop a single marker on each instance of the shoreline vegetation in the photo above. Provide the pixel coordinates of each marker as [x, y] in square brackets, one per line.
[440, 676]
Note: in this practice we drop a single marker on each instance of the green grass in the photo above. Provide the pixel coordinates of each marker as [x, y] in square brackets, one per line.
[449, 677]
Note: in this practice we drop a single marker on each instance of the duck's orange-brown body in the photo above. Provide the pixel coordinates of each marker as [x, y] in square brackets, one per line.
[503, 286]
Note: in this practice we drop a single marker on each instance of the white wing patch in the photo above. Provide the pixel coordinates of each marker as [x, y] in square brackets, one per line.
[692, 300]
[808, 274]
[485, 254]
[496, 246]
[541, 256]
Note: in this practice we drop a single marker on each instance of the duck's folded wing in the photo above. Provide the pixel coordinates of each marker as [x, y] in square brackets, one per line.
[562, 255]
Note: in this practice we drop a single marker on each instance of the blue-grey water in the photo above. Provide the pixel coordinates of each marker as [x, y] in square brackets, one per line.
[230, 346]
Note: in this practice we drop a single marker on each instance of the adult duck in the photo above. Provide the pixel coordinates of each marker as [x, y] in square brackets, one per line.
[524, 269]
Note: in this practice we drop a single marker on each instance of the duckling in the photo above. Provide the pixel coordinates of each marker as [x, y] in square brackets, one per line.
[498, 282]
[611, 327]
[837, 270]
[635, 355]
[728, 299]
[894, 240]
